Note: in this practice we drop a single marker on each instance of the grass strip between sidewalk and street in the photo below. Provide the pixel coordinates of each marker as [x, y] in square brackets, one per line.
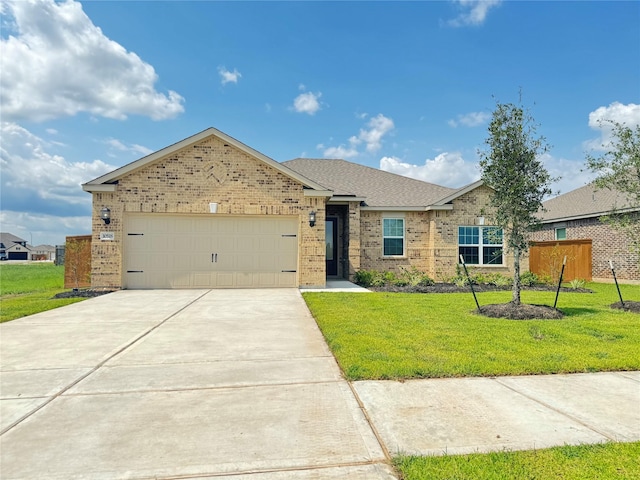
[606, 461]
[406, 335]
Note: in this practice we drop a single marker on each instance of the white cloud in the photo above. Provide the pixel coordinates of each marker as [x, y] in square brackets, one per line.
[27, 167]
[473, 12]
[43, 228]
[379, 126]
[472, 119]
[134, 147]
[52, 131]
[307, 102]
[340, 151]
[229, 77]
[570, 173]
[57, 63]
[600, 119]
[371, 137]
[448, 169]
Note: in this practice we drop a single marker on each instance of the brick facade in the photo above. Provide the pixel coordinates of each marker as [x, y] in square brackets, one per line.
[187, 178]
[431, 237]
[186, 181]
[607, 244]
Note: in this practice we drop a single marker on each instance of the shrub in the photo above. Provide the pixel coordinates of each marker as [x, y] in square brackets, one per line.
[413, 277]
[577, 283]
[529, 279]
[498, 279]
[363, 278]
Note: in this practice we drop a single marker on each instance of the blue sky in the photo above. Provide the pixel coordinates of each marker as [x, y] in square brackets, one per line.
[404, 86]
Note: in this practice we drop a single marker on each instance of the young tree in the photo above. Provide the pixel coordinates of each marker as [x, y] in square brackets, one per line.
[511, 166]
[619, 169]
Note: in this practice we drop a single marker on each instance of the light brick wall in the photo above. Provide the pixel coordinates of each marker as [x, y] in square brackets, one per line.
[431, 237]
[444, 239]
[188, 180]
[416, 241]
[607, 244]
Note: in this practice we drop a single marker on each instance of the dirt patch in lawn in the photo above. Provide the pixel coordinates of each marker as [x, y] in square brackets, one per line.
[83, 293]
[629, 306]
[524, 311]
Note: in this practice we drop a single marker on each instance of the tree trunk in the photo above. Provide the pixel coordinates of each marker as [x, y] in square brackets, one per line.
[516, 276]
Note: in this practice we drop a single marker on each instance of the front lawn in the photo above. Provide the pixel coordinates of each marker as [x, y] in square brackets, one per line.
[402, 336]
[26, 289]
[602, 461]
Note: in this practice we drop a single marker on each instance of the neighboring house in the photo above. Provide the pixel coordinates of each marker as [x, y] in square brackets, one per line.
[43, 252]
[210, 211]
[576, 216]
[14, 247]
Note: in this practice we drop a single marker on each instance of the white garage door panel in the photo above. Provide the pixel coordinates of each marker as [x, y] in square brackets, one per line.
[186, 251]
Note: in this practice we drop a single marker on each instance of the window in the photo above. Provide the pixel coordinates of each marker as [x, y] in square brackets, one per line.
[561, 233]
[480, 245]
[393, 237]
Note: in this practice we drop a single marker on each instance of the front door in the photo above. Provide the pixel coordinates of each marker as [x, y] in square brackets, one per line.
[331, 235]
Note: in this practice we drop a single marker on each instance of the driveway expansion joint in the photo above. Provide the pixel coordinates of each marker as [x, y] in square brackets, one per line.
[98, 366]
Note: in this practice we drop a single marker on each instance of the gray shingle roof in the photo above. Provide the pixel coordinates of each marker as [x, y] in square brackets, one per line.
[8, 239]
[584, 202]
[381, 189]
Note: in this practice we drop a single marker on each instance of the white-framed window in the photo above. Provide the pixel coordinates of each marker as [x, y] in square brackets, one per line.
[481, 245]
[393, 237]
[561, 233]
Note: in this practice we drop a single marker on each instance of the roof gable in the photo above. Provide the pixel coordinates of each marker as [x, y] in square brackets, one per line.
[379, 188]
[8, 239]
[107, 182]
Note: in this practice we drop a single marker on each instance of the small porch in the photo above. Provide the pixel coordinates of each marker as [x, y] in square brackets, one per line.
[342, 240]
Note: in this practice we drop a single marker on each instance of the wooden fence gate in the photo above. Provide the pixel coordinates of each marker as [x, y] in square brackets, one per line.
[77, 262]
[545, 258]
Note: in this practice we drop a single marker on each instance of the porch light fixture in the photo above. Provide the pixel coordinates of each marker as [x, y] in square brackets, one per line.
[312, 218]
[105, 215]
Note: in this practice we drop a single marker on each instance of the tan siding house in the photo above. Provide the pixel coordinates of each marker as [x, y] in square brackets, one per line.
[211, 212]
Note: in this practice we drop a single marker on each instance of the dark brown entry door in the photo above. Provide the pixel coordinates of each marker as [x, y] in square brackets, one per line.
[331, 242]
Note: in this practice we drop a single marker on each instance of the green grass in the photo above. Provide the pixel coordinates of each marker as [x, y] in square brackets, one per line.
[601, 461]
[403, 336]
[26, 289]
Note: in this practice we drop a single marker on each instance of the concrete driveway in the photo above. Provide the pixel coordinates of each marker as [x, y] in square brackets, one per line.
[181, 383]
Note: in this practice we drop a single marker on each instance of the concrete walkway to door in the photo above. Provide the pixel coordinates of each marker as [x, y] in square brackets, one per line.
[182, 383]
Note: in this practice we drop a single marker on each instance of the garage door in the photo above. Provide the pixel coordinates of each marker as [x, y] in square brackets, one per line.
[188, 251]
[18, 256]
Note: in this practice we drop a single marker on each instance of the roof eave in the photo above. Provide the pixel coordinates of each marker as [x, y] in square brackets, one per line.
[101, 187]
[396, 208]
[459, 192]
[589, 215]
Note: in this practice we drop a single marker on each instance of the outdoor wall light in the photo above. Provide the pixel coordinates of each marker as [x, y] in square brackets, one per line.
[312, 218]
[105, 215]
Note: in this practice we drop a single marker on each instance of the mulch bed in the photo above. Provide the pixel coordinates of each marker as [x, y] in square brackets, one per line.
[524, 311]
[629, 306]
[83, 293]
[503, 310]
[451, 288]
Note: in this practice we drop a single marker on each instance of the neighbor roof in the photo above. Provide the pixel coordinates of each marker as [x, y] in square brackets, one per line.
[8, 239]
[107, 182]
[377, 187]
[585, 202]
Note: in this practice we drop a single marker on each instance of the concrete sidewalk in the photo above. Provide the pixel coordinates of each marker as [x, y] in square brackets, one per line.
[471, 415]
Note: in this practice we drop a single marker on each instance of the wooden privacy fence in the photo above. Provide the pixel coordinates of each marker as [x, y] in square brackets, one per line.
[545, 258]
[77, 262]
